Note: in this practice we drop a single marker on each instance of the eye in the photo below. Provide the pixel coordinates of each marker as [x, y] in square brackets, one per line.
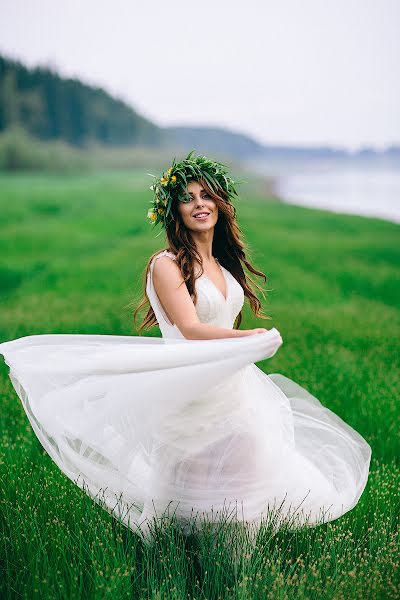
[186, 199]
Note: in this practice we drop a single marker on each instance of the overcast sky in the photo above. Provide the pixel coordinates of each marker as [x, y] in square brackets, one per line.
[300, 72]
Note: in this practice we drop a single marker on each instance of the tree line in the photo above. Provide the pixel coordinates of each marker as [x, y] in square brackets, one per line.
[50, 107]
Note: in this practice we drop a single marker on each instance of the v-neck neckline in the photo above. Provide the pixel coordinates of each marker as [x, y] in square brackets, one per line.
[215, 286]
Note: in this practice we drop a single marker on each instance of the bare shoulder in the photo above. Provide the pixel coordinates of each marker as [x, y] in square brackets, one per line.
[166, 268]
[172, 292]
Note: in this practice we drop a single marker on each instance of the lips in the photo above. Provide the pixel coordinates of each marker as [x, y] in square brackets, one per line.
[201, 215]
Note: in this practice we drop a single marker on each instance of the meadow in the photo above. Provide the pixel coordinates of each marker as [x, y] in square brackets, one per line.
[73, 249]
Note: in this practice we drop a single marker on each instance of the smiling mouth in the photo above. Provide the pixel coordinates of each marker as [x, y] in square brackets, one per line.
[201, 216]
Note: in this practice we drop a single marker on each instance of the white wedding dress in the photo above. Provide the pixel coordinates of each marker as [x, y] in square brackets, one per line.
[153, 426]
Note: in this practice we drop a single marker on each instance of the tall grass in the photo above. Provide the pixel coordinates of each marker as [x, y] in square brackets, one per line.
[72, 253]
[19, 151]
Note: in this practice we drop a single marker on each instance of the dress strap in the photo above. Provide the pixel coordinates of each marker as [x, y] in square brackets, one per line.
[165, 253]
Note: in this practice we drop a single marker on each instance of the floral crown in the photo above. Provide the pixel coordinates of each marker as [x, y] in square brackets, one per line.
[171, 186]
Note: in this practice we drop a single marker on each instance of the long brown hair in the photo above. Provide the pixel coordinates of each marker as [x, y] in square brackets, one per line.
[228, 247]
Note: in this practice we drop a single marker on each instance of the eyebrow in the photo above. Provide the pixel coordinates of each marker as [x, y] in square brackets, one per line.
[202, 190]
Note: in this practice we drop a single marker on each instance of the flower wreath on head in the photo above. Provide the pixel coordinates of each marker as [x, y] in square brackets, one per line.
[171, 186]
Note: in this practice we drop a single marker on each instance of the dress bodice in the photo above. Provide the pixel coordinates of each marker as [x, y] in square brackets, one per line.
[211, 306]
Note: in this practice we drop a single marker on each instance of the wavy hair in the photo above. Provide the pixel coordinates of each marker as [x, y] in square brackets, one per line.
[228, 247]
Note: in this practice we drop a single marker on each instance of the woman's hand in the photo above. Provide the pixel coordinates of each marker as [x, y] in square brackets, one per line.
[257, 330]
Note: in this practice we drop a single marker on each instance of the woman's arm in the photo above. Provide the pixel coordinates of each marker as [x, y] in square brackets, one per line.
[178, 305]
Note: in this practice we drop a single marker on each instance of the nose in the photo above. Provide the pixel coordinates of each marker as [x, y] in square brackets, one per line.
[199, 201]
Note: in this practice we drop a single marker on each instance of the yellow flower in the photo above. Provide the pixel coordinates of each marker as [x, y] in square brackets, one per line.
[173, 179]
[164, 181]
[161, 210]
[169, 170]
[151, 215]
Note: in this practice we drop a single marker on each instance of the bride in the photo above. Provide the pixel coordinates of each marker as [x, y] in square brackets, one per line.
[187, 423]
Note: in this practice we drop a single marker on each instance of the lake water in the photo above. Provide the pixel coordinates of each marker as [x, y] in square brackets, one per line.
[369, 187]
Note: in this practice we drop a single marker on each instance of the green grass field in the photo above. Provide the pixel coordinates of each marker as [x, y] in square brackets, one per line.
[73, 251]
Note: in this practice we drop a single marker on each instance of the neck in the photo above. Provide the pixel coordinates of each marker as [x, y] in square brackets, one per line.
[203, 241]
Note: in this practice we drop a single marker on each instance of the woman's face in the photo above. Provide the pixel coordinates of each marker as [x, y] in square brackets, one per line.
[201, 212]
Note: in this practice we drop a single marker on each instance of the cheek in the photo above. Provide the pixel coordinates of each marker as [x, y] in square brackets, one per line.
[182, 209]
[185, 211]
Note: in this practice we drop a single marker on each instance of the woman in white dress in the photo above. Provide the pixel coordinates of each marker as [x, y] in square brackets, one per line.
[187, 424]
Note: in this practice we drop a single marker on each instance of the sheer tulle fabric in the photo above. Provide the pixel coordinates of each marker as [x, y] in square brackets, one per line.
[149, 426]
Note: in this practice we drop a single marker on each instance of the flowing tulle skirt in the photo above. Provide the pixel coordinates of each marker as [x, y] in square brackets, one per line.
[150, 426]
